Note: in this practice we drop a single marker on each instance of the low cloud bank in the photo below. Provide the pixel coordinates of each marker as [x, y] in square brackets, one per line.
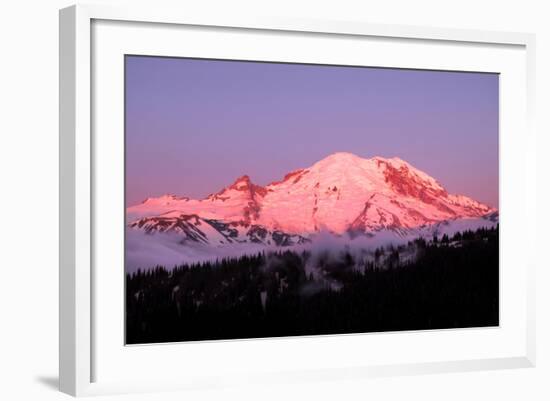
[145, 251]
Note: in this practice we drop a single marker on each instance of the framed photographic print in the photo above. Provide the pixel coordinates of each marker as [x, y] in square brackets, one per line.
[290, 199]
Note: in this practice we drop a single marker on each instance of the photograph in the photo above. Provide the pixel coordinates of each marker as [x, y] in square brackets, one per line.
[270, 199]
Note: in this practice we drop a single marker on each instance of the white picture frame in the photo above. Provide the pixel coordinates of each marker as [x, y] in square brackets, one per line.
[78, 163]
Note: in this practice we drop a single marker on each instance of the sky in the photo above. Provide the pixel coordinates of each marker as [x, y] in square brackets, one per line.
[194, 125]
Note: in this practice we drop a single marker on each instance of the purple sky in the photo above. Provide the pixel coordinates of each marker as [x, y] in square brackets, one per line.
[193, 126]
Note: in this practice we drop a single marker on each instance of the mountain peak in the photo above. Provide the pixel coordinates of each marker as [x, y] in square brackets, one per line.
[242, 181]
[341, 157]
[348, 158]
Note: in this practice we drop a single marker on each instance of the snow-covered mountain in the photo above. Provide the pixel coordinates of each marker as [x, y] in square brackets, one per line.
[369, 201]
[340, 193]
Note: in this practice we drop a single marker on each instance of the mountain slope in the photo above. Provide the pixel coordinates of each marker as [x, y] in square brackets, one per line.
[192, 228]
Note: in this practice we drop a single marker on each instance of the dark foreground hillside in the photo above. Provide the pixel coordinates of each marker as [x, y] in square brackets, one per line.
[449, 283]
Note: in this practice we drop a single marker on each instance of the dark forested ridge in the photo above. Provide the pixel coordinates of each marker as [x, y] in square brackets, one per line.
[448, 283]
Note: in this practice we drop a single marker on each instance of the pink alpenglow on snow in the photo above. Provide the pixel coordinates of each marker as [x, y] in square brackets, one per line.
[341, 193]
[358, 203]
